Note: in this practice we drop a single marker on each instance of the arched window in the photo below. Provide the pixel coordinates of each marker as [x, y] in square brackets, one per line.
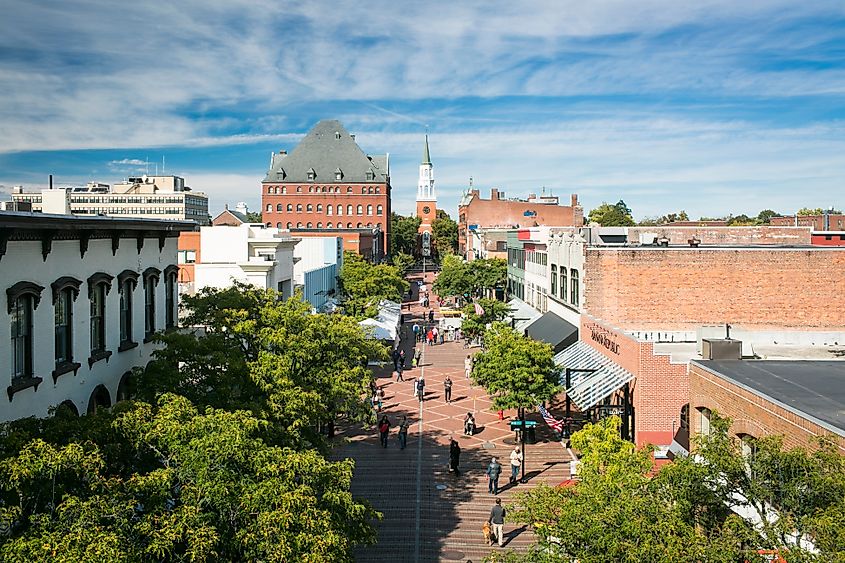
[126, 283]
[310, 188]
[100, 399]
[328, 225]
[563, 284]
[23, 303]
[369, 225]
[379, 210]
[299, 208]
[370, 190]
[279, 225]
[268, 225]
[151, 276]
[298, 189]
[289, 226]
[349, 189]
[328, 209]
[360, 209]
[99, 286]
[703, 420]
[378, 190]
[290, 208]
[309, 225]
[340, 210]
[369, 210]
[349, 210]
[279, 208]
[574, 288]
[309, 208]
[349, 225]
[171, 299]
[748, 446]
[284, 189]
[299, 225]
[360, 226]
[337, 190]
[269, 207]
[554, 279]
[319, 225]
[319, 208]
[363, 190]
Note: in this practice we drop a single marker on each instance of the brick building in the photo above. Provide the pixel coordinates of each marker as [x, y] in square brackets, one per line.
[327, 186]
[823, 222]
[476, 213]
[800, 400]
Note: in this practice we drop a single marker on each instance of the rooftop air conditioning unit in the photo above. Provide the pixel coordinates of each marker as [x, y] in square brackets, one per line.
[721, 349]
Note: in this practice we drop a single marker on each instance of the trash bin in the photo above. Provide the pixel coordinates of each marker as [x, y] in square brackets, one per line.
[530, 435]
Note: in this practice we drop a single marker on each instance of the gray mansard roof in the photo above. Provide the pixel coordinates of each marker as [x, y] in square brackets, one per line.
[327, 148]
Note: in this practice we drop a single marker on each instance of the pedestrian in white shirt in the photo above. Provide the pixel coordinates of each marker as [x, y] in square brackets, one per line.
[516, 463]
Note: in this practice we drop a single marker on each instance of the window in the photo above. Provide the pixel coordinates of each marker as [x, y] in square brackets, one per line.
[360, 209]
[98, 318]
[574, 288]
[187, 256]
[279, 225]
[338, 175]
[319, 208]
[554, 279]
[290, 208]
[298, 189]
[171, 274]
[289, 225]
[309, 225]
[340, 210]
[563, 283]
[379, 210]
[349, 189]
[369, 210]
[363, 190]
[279, 207]
[328, 225]
[284, 190]
[360, 225]
[328, 210]
[299, 208]
[299, 225]
[319, 225]
[349, 210]
[126, 286]
[310, 189]
[269, 207]
[349, 225]
[309, 208]
[150, 282]
[703, 421]
[311, 175]
[21, 319]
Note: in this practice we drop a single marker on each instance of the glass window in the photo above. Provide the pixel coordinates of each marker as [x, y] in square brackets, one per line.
[284, 190]
[290, 208]
[379, 210]
[21, 319]
[574, 287]
[98, 318]
[279, 207]
[328, 225]
[269, 207]
[319, 208]
[126, 311]
[340, 210]
[360, 209]
[309, 208]
[563, 283]
[328, 210]
[319, 225]
[170, 301]
[289, 226]
[279, 225]
[64, 326]
[349, 210]
[150, 305]
[369, 210]
[299, 208]
[299, 225]
[309, 225]
[554, 279]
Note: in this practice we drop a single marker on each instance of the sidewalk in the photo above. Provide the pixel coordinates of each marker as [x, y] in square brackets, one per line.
[429, 513]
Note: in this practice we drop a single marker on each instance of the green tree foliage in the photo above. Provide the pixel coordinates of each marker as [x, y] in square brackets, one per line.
[470, 279]
[364, 285]
[817, 211]
[668, 218]
[403, 234]
[445, 232]
[608, 215]
[195, 486]
[403, 262]
[765, 216]
[620, 510]
[253, 217]
[741, 220]
[474, 325]
[269, 356]
[514, 370]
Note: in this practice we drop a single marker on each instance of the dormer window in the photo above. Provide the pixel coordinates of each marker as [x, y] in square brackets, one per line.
[311, 174]
[370, 175]
[280, 174]
[338, 174]
[337, 134]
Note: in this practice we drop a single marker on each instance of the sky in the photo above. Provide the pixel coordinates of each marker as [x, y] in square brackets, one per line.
[713, 107]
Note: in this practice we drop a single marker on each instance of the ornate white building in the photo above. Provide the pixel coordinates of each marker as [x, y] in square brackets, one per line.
[426, 200]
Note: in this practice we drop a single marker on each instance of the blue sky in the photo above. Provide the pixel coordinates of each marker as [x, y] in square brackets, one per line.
[712, 106]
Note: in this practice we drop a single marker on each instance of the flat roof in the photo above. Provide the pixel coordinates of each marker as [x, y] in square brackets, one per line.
[24, 220]
[678, 247]
[814, 390]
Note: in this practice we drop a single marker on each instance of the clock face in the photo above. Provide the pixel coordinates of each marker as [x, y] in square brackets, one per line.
[426, 210]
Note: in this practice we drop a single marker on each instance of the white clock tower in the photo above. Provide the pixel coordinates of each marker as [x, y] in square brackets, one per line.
[426, 196]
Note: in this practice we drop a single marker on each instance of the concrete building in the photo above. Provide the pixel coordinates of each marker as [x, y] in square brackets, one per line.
[317, 263]
[251, 254]
[148, 197]
[84, 296]
[327, 186]
[476, 213]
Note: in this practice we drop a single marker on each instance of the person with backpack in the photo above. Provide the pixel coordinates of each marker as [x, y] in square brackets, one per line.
[493, 472]
[383, 429]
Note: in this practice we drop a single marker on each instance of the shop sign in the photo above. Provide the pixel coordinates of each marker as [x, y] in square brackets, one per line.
[604, 337]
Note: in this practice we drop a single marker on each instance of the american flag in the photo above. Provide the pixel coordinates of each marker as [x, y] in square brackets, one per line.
[479, 310]
[554, 424]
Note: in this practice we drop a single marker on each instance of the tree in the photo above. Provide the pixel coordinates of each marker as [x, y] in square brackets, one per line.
[197, 486]
[607, 215]
[402, 262]
[364, 285]
[741, 220]
[470, 279]
[445, 232]
[403, 234]
[765, 216]
[474, 324]
[253, 217]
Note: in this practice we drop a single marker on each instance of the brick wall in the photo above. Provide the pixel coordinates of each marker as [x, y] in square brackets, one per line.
[730, 236]
[660, 388]
[750, 413]
[683, 288]
[817, 222]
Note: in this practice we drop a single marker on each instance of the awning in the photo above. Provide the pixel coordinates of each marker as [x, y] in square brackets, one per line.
[521, 314]
[588, 388]
[554, 330]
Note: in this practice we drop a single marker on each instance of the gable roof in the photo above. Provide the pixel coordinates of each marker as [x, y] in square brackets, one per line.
[327, 147]
[236, 214]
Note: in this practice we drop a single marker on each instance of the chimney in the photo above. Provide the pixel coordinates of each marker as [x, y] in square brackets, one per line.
[283, 152]
[494, 194]
[574, 200]
[51, 181]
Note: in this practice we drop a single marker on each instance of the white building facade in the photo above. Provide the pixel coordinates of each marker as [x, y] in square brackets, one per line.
[83, 298]
[248, 253]
[317, 263]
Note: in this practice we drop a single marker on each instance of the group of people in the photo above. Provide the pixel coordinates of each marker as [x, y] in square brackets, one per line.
[384, 431]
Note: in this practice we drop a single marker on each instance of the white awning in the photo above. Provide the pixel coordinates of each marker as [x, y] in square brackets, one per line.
[588, 388]
[521, 314]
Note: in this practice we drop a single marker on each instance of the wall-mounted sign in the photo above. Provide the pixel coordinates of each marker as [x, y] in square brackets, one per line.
[529, 213]
[604, 337]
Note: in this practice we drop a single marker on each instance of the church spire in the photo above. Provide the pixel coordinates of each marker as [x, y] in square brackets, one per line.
[426, 156]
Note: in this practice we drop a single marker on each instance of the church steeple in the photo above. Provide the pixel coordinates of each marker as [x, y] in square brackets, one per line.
[426, 156]
[426, 196]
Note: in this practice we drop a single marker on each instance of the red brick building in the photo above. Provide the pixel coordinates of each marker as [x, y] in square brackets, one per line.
[823, 222]
[328, 185]
[476, 213]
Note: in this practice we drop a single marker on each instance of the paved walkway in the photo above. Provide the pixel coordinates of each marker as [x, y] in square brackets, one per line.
[429, 513]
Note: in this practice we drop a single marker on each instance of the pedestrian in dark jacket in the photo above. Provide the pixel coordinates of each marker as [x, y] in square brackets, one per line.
[383, 429]
[454, 456]
[493, 472]
[447, 389]
[497, 520]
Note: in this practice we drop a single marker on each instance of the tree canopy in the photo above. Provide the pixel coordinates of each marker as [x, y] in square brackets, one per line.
[445, 231]
[474, 324]
[403, 234]
[364, 285]
[470, 279]
[817, 211]
[607, 215]
[621, 509]
[515, 370]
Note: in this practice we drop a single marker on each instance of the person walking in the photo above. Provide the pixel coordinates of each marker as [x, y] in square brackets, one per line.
[402, 357]
[383, 429]
[454, 456]
[447, 389]
[403, 432]
[516, 463]
[394, 355]
[431, 315]
[497, 520]
[469, 424]
[421, 389]
[417, 357]
[429, 338]
[434, 334]
[399, 369]
[468, 365]
[493, 472]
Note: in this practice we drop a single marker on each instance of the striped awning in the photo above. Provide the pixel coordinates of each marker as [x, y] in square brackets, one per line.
[588, 388]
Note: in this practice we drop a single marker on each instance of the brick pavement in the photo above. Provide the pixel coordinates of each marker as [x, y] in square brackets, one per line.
[413, 487]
